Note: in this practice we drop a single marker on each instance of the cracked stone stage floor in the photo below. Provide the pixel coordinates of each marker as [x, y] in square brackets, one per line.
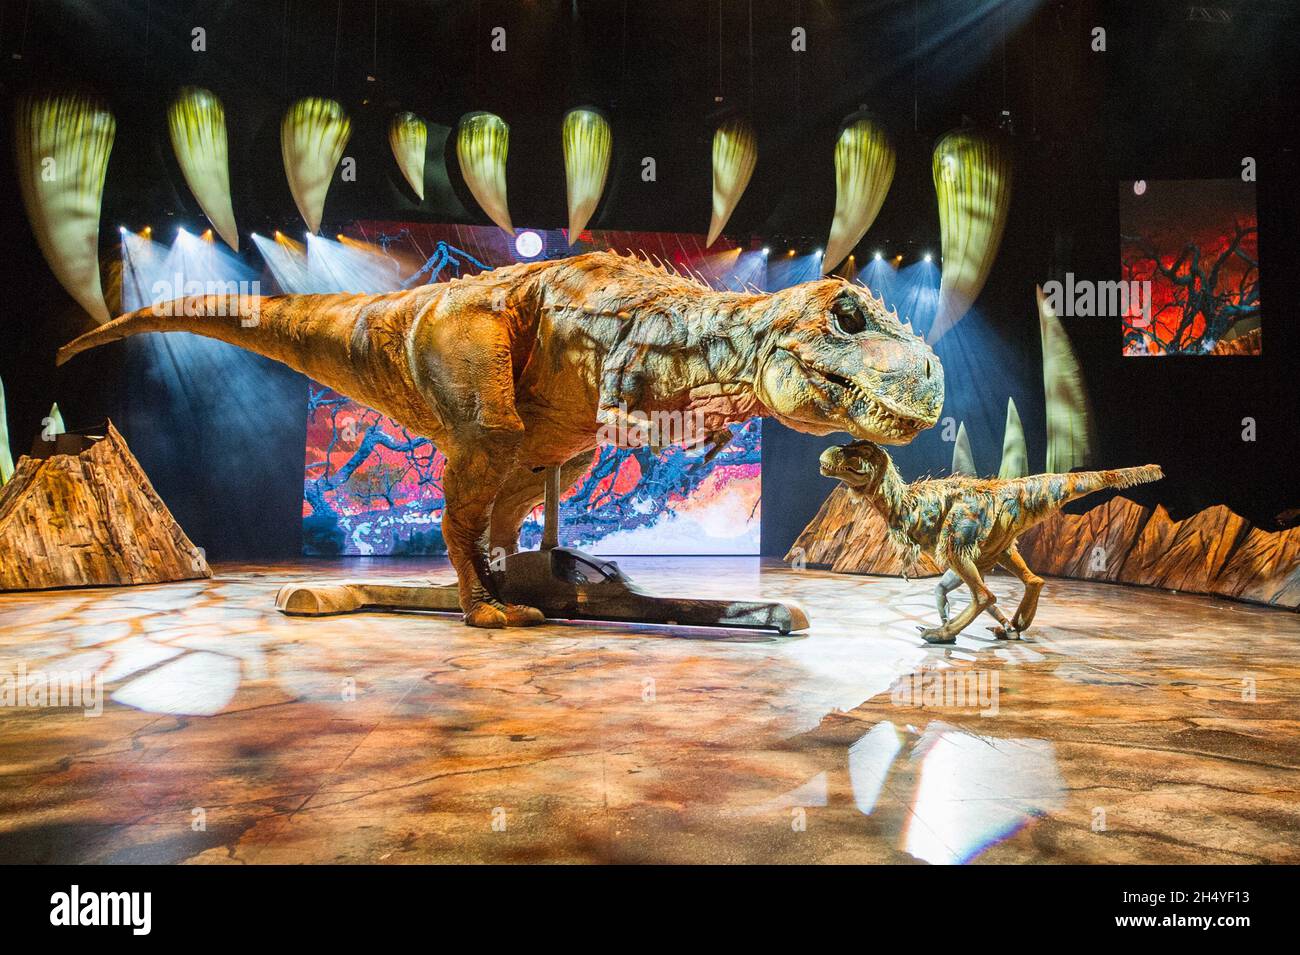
[1123, 731]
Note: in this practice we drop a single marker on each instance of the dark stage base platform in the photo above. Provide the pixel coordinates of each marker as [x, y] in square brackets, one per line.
[564, 584]
[1133, 726]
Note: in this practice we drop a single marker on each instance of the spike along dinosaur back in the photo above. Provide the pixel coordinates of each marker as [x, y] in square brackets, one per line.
[968, 524]
[515, 370]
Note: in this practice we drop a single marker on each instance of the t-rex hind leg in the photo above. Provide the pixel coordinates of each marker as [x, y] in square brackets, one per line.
[470, 482]
[981, 599]
[468, 376]
[1024, 615]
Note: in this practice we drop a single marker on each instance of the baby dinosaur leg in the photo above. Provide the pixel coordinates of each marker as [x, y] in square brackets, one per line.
[946, 585]
[981, 599]
[1024, 615]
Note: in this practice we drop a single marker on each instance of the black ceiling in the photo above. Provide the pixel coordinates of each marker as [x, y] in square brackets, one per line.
[1177, 85]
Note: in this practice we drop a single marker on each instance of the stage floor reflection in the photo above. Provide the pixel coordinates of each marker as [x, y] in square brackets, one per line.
[1134, 726]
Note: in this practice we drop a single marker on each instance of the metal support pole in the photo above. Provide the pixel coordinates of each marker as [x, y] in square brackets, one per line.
[551, 511]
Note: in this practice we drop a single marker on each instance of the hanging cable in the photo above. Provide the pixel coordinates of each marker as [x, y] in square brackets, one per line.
[27, 15]
[1033, 76]
[916, 66]
[622, 78]
[751, 57]
[1002, 15]
[798, 13]
[338, 29]
[719, 50]
[285, 55]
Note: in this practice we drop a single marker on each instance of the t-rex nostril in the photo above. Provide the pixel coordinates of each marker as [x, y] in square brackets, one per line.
[927, 368]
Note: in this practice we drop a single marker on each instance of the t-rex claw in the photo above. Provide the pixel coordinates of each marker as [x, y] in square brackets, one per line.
[521, 615]
[485, 615]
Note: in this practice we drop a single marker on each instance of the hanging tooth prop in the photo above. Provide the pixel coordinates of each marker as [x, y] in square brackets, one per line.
[1015, 459]
[587, 144]
[61, 148]
[963, 461]
[735, 153]
[53, 423]
[6, 459]
[482, 141]
[1070, 437]
[196, 121]
[408, 136]
[864, 170]
[972, 177]
[313, 135]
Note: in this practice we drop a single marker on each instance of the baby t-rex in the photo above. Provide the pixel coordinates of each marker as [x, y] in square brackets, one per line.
[968, 524]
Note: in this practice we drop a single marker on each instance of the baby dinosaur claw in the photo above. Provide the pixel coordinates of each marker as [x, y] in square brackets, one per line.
[1006, 633]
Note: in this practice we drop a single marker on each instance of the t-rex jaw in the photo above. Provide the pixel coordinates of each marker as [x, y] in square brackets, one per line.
[852, 400]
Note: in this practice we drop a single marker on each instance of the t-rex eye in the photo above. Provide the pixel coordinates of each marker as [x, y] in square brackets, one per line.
[848, 317]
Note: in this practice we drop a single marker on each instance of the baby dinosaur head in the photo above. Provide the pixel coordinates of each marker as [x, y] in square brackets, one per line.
[835, 360]
[859, 465]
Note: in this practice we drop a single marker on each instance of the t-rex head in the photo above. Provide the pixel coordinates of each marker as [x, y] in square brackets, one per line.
[859, 465]
[836, 360]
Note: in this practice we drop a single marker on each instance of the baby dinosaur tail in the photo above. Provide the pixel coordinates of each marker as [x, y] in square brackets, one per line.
[1045, 493]
[1085, 482]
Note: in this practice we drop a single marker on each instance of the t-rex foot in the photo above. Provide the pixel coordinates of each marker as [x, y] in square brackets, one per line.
[494, 614]
[483, 614]
[937, 635]
[522, 615]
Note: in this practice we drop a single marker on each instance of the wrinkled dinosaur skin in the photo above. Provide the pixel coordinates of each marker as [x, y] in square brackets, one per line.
[514, 370]
[968, 525]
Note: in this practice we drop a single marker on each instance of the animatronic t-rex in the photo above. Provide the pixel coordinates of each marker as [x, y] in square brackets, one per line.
[968, 524]
[512, 371]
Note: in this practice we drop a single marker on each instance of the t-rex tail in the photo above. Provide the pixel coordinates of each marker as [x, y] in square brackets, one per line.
[332, 338]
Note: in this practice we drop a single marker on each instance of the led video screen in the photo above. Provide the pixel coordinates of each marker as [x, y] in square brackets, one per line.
[373, 488]
[1190, 260]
